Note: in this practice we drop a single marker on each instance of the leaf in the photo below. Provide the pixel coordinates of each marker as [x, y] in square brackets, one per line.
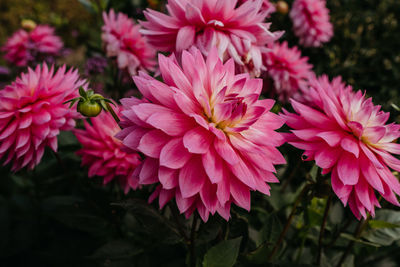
[271, 229]
[351, 237]
[377, 224]
[223, 254]
[116, 249]
[151, 221]
[384, 233]
[82, 92]
[88, 5]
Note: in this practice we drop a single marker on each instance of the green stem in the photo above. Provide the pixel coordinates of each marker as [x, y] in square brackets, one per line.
[322, 229]
[111, 110]
[192, 243]
[291, 176]
[360, 228]
[180, 226]
[303, 192]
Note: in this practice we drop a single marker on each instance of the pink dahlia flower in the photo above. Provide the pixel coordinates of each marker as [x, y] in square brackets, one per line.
[103, 153]
[311, 22]
[122, 40]
[346, 135]
[209, 141]
[32, 113]
[238, 32]
[24, 48]
[288, 70]
[267, 6]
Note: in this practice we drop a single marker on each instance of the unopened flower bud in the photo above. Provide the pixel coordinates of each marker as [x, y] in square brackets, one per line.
[89, 108]
[282, 7]
[28, 24]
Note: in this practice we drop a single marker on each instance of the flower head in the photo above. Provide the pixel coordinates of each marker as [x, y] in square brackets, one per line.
[209, 141]
[103, 153]
[288, 70]
[346, 134]
[311, 22]
[122, 40]
[32, 113]
[24, 48]
[238, 32]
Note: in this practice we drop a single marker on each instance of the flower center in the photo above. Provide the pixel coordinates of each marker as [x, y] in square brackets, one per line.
[229, 112]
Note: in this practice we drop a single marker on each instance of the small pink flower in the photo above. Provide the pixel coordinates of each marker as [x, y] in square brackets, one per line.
[122, 40]
[32, 113]
[209, 141]
[288, 70]
[346, 135]
[311, 22]
[24, 48]
[103, 153]
[238, 32]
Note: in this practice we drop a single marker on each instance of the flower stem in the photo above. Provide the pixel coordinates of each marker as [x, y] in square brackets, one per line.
[192, 243]
[303, 192]
[322, 229]
[360, 228]
[179, 225]
[111, 110]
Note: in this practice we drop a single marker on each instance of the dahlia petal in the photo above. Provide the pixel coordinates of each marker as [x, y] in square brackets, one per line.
[389, 195]
[168, 177]
[165, 196]
[209, 197]
[203, 211]
[371, 156]
[374, 134]
[361, 190]
[152, 142]
[313, 116]
[174, 155]
[348, 169]
[213, 165]
[226, 152]
[350, 145]
[327, 158]
[41, 118]
[183, 203]
[132, 140]
[148, 173]
[333, 138]
[240, 194]
[173, 124]
[185, 38]
[191, 178]
[197, 140]
[9, 130]
[370, 174]
[341, 190]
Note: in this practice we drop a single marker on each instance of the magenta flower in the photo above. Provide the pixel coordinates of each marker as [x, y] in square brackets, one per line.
[103, 153]
[209, 141]
[346, 135]
[122, 40]
[24, 48]
[288, 70]
[32, 113]
[238, 32]
[311, 22]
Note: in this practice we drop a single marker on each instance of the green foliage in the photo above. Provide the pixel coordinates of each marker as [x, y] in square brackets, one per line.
[56, 216]
[224, 254]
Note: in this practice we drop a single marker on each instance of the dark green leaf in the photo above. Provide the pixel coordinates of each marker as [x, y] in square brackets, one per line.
[384, 235]
[223, 254]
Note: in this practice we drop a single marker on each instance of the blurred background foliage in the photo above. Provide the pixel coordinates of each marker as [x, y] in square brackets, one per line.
[56, 216]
